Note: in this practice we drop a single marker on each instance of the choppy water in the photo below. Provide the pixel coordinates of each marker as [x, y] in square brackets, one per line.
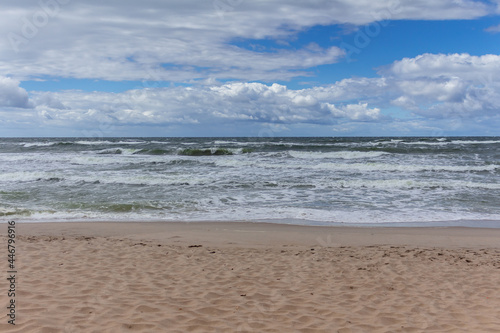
[301, 180]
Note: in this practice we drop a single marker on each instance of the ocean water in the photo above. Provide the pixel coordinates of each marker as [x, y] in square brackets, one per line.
[316, 181]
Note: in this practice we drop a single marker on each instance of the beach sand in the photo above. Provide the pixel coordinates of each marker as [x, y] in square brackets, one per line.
[252, 277]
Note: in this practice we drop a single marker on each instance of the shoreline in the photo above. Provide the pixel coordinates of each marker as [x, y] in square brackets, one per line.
[467, 223]
[259, 234]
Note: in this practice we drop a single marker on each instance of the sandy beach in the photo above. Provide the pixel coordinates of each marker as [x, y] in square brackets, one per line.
[252, 277]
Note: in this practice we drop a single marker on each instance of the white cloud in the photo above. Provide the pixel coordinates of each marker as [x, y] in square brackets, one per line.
[465, 66]
[455, 91]
[48, 100]
[255, 103]
[428, 89]
[442, 85]
[476, 102]
[493, 29]
[11, 95]
[354, 112]
[182, 40]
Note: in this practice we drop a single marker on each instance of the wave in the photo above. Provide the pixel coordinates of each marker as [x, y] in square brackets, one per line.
[110, 151]
[359, 166]
[205, 152]
[37, 144]
[425, 143]
[154, 151]
[79, 142]
[411, 184]
[486, 142]
[112, 206]
[385, 142]
[347, 155]
[187, 151]
[104, 178]
[60, 143]
[406, 168]
[130, 151]
[287, 215]
[48, 144]
[26, 176]
[221, 142]
[453, 142]
[107, 142]
[143, 179]
[11, 212]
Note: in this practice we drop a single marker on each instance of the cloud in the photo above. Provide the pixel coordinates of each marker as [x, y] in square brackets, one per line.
[429, 89]
[493, 29]
[354, 112]
[424, 93]
[464, 65]
[241, 102]
[48, 100]
[11, 95]
[183, 40]
[442, 85]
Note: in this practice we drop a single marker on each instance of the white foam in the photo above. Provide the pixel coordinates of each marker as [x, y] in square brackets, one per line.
[454, 142]
[474, 142]
[27, 176]
[346, 155]
[301, 163]
[398, 183]
[404, 167]
[38, 144]
[426, 143]
[93, 143]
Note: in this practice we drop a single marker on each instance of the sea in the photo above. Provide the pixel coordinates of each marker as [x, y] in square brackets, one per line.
[403, 181]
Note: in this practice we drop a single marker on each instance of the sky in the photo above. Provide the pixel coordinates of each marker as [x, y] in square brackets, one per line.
[273, 68]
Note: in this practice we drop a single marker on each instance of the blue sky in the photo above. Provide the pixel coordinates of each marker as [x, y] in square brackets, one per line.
[241, 68]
